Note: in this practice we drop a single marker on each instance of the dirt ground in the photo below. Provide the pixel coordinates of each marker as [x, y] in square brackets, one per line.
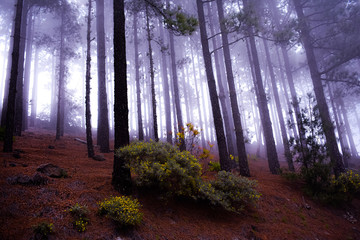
[283, 211]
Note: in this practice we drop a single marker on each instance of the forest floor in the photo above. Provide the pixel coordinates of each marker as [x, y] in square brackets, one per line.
[283, 211]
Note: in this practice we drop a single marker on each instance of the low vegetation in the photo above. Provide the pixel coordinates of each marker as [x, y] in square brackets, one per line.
[175, 173]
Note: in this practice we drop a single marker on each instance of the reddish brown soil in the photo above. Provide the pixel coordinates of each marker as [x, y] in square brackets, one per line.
[280, 214]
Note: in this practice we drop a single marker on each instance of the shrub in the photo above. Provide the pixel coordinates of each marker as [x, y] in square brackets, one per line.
[229, 191]
[345, 187]
[123, 210]
[178, 173]
[79, 213]
[43, 229]
[162, 165]
[214, 166]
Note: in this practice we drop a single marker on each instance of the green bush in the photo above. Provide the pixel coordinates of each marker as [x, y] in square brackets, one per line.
[79, 213]
[178, 173]
[162, 165]
[229, 191]
[124, 210]
[345, 187]
[44, 229]
[214, 166]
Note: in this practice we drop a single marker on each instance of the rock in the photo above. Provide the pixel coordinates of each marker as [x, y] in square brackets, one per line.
[52, 170]
[40, 179]
[37, 179]
[51, 147]
[99, 158]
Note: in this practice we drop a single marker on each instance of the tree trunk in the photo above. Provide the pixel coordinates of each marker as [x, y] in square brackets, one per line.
[218, 121]
[152, 77]
[60, 100]
[10, 113]
[166, 90]
[103, 115]
[137, 80]
[222, 94]
[348, 128]
[272, 156]
[328, 127]
[34, 90]
[338, 127]
[29, 50]
[279, 110]
[20, 82]
[89, 141]
[240, 142]
[121, 178]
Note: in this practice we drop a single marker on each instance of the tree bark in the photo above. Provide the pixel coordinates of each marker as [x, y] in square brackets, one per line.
[222, 94]
[60, 100]
[121, 177]
[152, 77]
[272, 156]
[279, 110]
[240, 142]
[10, 113]
[166, 90]
[29, 50]
[103, 115]
[34, 90]
[89, 141]
[328, 127]
[218, 121]
[137, 80]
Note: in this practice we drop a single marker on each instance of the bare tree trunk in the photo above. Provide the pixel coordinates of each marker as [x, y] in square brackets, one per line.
[60, 100]
[89, 141]
[353, 150]
[284, 137]
[218, 121]
[338, 126]
[328, 127]
[20, 82]
[222, 94]
[273, 161]
[137, 80]
[152, 77]
[34, 90]
[29, 50]
[166, 89]
[121, 177]
[103, 114]
[240, 142]
[10, 113]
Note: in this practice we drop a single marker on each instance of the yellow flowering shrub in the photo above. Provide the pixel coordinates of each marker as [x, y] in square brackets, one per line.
[44, 229]
[345, 187]
[79, 213]
[159, 164]
[124, 210]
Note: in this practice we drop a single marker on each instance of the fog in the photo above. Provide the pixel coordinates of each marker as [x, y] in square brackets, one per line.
[280, 62]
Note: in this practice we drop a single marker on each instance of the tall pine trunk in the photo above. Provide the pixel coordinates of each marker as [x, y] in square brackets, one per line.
[137, 80]
[284, 137]
[166, 89]
[34, 90]
[121, 177]
[272, 156]
[61, 92]
[10, 113]
[29, 50]
[152, 77]
[89, 141]
[240, 142]
[103, 115]
[328, 127]
[218, 121]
